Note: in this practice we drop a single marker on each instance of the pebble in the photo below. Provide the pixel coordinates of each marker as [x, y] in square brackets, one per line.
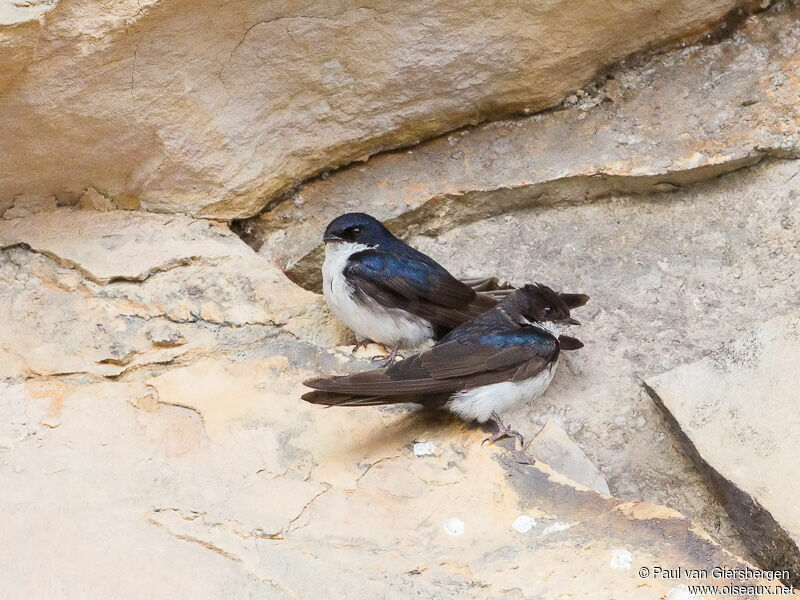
[556, 527]
[423, 448]
[621, 559]
[523, 524]
[453, 526]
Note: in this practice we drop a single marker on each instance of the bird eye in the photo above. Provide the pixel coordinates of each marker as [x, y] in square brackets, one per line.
[548, 310]
[355, 230]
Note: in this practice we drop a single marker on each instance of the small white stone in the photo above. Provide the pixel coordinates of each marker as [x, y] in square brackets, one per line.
[523, 524]
[423, 448]
[556, 527]
[453, 526]
[621, 559]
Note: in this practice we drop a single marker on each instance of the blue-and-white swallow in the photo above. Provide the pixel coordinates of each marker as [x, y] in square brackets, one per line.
[503, 357]
[388, 292]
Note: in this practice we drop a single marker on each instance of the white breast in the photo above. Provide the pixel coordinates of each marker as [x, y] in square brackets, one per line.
[478, 404]
[390, 327]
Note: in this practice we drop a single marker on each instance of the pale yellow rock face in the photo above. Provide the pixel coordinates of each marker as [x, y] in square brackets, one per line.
[153, 444]
[100, 308]
[215, 109]
[737, 410]
[663, 123]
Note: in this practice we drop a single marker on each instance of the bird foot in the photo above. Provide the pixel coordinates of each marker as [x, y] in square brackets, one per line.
[503, 431]
[385, 361]
[361, 344]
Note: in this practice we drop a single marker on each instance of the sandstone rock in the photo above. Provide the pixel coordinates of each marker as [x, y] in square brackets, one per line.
[150, 98]
[166, 336]
[671, 277]
[735, 411]
[667, 122]
[553, 446]
[253, 492]
[196, 471]
[24, 205]
[128, 202]
[88, 292]
[94, 200]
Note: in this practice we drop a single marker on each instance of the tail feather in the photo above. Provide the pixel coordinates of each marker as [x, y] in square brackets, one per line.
[566, 342]
[334, 399]
[496, 289]
[488, 285]
[574, 300]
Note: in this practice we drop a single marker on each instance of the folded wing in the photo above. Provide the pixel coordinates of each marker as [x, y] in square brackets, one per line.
[413, 282]
[446, 368]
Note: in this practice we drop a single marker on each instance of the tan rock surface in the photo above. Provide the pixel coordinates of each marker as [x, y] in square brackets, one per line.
[153, 443]
[553, 446]
[737, 410]
[257, 493]
[218, 116]
[81, 307]
[665, 123]
[671, 277]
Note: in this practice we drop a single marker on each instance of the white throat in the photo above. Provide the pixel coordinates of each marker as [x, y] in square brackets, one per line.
[548, 326]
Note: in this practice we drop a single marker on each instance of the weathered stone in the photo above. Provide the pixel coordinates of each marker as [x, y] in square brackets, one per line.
[205, 451]
[24, 205]
[94, 200]
[85, 292]
[671, 277]
[736, 411]
[128, 202]
[220, 116]
[166, 336]
[553, 446]
[664, 123]
[253, 492]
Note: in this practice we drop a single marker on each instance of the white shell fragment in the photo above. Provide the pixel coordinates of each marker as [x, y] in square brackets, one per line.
[523, 524]
[621, 559]
[556, 527]
[453, 526]
[424, 448]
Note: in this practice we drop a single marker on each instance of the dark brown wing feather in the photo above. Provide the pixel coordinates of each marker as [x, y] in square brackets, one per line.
[438, 314]
[567, 342]
[449, 367]
[455, 359]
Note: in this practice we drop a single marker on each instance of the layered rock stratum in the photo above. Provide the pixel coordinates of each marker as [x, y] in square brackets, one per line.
[216, 109]
[153, 443]
[152, 437]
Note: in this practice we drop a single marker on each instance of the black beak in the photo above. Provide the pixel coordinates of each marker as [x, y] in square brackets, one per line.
[329, 237]
[571, 321]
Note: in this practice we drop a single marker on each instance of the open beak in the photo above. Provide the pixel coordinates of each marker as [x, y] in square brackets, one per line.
[329, 237]
[571, 321]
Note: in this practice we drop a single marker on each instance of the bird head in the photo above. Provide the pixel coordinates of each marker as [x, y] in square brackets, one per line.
[537, 303]
[356, 228]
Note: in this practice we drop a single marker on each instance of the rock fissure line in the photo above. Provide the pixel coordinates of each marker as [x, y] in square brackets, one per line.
[472, 205]
[66, 263]
[726, 29]
[288, 529]
[771, 545]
